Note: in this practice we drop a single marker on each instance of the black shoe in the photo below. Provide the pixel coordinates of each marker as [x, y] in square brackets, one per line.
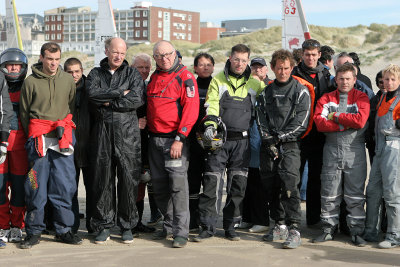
[202, 236]
[179, 242]
[327, 235]
[30, 241]
[161, 234]
[232, 235]
[154, 221]
[127, 236]
[102, 237]
[69, 238]
[358, 241]
[141, 228]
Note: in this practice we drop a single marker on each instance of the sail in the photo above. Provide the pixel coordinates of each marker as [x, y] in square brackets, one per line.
[294, 27]
[105, 28]
[12, 25]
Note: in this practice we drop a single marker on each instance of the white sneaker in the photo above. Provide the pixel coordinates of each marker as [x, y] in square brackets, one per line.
[4, 233]
[15, 235]
[244, 225]
[258, 229]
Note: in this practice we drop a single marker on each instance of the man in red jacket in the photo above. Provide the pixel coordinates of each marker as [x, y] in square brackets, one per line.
[172, 110]
[342, 115]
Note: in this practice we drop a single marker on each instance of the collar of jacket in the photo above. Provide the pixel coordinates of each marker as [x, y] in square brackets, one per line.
[175, 67]
[320, 67]
[81, 83]
[37, 69]
[227, 72]
[279, 84]
[104, 64]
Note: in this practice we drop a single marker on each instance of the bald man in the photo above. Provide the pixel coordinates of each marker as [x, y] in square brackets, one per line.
[172, 110]
[115, 91]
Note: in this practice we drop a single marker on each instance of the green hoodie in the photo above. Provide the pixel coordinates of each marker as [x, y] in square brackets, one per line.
[46, 97]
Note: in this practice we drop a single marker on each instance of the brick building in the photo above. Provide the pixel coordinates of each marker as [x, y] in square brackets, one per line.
[74, 28]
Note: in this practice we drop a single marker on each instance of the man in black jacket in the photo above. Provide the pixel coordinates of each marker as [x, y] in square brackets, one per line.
[81, 119]
[313, 71]
[116, 91]
[283, 112]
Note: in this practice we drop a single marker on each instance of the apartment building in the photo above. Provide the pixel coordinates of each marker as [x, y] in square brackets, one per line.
[74, 28]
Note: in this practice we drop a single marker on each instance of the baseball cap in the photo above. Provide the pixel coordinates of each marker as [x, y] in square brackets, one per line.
[258, 60]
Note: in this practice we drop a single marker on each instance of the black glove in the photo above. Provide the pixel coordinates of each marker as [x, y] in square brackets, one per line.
[273, 152]
[397, 123]
[270, 140]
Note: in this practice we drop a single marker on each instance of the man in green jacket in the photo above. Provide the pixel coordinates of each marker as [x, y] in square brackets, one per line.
[46, 107]
[231, 96]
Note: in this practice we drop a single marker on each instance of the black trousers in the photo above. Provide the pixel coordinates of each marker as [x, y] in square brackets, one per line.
[75, 203]
[280, 178]
[255, 204]
[197, 166]
[313, 153]
[234, 156]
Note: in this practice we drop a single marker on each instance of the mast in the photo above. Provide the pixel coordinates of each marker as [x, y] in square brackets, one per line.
[294, 25]
[105, 28]
[13, 30]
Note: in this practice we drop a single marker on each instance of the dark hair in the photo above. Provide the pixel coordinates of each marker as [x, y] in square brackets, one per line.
[345, 68]
[240, 48]
[378, 76]
[51, 47]
[326, 54]
[311, 44]
[205, 55]
[283, 55]
[72, 61]
[297, 55]
[355, 58]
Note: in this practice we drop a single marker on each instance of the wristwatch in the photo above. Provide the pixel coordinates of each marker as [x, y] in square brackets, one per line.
[180, 137]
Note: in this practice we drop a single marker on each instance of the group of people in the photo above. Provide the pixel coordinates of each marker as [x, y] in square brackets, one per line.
[177, 134]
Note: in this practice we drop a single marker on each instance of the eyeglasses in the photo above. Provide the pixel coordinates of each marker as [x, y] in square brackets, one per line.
[238, 60]
[166, 55]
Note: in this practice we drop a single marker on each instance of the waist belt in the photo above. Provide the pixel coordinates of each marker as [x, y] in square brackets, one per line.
[237, 135]
[165, 135]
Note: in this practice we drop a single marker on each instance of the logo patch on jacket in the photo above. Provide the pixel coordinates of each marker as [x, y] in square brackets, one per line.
[190, 89]
[33, 179]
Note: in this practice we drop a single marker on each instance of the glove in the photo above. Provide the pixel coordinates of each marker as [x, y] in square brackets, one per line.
[210, 133]
[273, 152]
[270, 140]
[3, 152]
[331, 116]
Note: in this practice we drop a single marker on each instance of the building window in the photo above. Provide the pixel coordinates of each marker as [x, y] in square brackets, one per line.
[145, 33]
[122, 26]
[73, 18]
[93, 26]
[137, 23]
[80, 17]
[159, 34]
[144, 13]
[92, 36]
[160, 14]
[53, 36]
[73, 28]
[47, 27]
[87, 27]
[123, 15]
[53, 18]
[53, 27]
[59, 27]
[137, 33]
[144, 23]
[130, 14]
[130, 24]
[58, 17]
[87, 36]
[58, 36]
[189, 37]
[66, 28]
[73, 37]
[190, 17]
[80, 27]
[160, 24]
[189, 27]
[47, 37]
[130, 34]
[87, 17]
[47, 18]
[137, 13]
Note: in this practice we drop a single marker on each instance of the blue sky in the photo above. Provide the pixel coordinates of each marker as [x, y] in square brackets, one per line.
[335, 13]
